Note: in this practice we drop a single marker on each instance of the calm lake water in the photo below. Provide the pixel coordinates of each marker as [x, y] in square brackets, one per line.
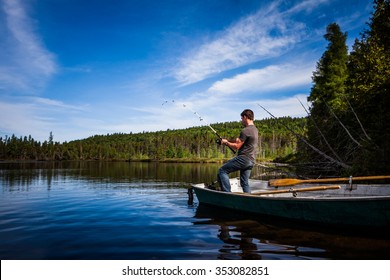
[119, 210]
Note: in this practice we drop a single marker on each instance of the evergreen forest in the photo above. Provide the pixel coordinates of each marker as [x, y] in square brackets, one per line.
[191, 144]
[349, 118]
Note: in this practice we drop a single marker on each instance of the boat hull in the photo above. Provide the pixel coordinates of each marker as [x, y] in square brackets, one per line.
[360, 211]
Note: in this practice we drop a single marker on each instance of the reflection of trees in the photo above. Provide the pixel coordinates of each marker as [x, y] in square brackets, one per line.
[247, 236]
[24, 174]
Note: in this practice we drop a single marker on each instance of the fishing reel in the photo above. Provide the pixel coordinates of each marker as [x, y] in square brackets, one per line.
[218, 141]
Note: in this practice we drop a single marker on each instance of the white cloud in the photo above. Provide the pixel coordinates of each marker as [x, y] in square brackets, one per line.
[283, 107]
[262, 35]
[9, 78]
[38, 116]
[26, 63]
[56, 104]
[19, 119]
[272, 77]
[307, 6]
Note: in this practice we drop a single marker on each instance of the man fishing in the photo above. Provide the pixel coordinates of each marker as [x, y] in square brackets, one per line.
[244, 161]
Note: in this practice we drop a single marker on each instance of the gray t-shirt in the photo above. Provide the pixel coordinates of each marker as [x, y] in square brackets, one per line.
[249, 135]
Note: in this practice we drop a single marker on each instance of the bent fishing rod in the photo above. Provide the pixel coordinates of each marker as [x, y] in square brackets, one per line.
[219, 141]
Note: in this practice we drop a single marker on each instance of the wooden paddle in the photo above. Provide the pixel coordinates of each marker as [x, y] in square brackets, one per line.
[292, 181]
[310, 189]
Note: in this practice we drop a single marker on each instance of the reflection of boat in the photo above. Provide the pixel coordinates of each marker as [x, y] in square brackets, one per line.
[365, 206]
[248, 236]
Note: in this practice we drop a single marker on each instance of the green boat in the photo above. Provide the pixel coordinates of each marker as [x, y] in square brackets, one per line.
[347, 205]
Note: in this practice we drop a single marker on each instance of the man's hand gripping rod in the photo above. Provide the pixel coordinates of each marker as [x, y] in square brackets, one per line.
[220, 138]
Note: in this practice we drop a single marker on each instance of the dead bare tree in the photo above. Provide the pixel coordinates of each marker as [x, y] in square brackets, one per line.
[357, 118]
[320, 132]
[331, 159]
[342, 125]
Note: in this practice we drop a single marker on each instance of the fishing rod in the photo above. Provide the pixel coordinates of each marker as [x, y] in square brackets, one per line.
[215, 132]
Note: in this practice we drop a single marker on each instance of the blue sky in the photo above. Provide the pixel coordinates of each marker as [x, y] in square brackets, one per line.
[78, 68]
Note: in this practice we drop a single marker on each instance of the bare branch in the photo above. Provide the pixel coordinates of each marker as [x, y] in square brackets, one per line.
[320, 132]
[342, 164]
[343, 126]
[357, 118]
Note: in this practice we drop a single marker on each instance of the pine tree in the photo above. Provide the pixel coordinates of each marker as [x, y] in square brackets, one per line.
[331, 73]
[327, 97]
[368, 88]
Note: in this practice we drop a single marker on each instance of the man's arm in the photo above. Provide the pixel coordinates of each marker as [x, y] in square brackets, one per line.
[235, 145]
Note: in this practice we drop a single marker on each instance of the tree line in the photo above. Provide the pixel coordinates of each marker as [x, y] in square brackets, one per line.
[191, 144]
[349, 117]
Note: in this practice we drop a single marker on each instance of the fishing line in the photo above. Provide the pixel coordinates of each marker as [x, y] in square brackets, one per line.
[195, 113]
[166, 101]
[202, 119]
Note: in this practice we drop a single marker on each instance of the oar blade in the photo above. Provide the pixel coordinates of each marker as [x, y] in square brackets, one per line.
[284, 182]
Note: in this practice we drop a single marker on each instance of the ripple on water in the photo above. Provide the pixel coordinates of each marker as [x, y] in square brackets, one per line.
[77, 218]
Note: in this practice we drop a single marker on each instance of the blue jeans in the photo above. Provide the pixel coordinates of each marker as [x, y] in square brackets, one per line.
[238, 163]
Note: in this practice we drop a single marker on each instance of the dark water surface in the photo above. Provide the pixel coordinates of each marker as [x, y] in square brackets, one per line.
[97, 210]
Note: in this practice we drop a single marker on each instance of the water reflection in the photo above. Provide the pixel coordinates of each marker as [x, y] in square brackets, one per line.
[237, 245]
[121, 210]
[246, 236]
[22, 175]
